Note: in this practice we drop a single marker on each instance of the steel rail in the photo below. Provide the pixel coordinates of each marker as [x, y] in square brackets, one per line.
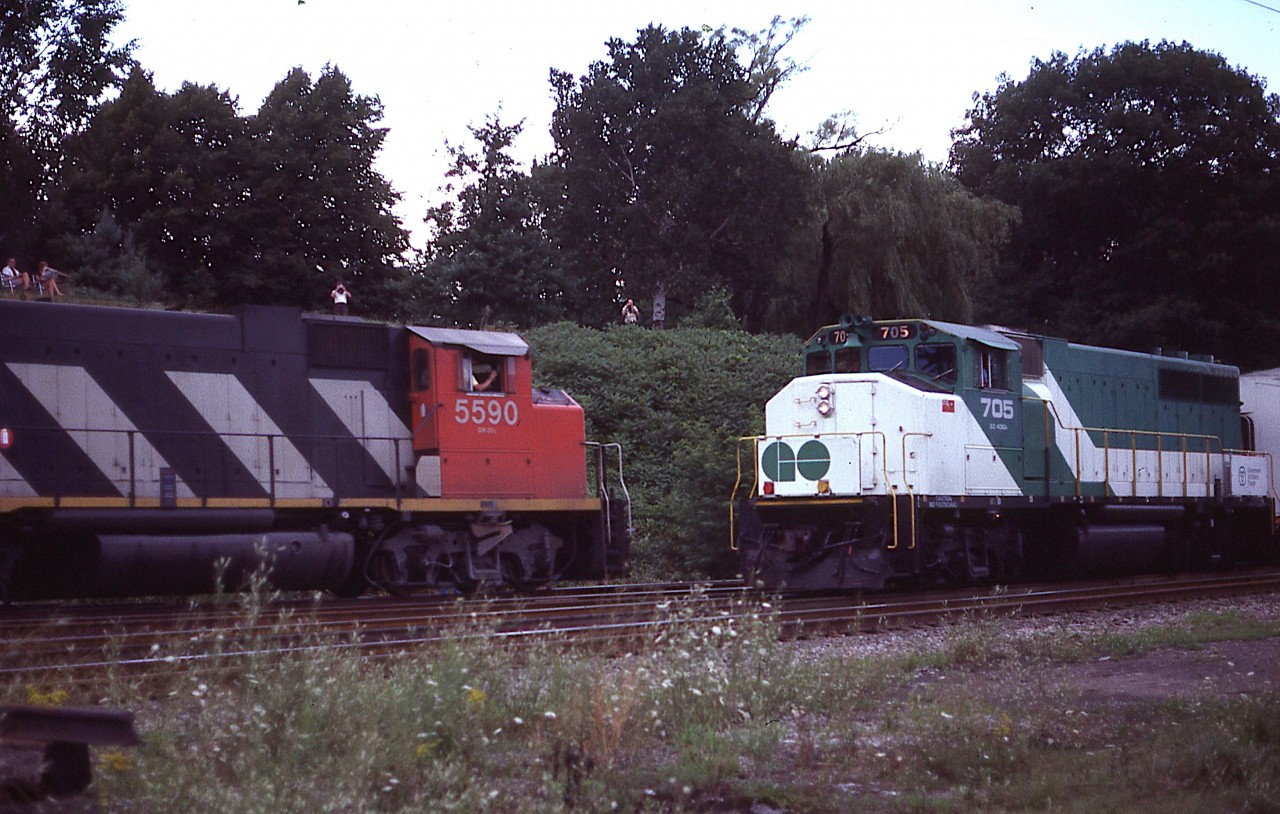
[612, 622]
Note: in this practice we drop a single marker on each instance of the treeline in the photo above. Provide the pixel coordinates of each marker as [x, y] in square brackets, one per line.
[1129, 197]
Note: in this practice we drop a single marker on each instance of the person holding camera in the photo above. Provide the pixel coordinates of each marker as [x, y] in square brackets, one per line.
[340, 296]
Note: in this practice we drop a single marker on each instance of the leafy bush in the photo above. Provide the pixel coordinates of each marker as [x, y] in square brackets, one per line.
[677, 401]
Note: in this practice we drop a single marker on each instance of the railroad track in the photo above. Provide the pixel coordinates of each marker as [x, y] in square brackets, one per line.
[84, 643]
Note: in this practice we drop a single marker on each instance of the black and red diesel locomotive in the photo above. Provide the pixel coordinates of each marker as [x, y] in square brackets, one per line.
[151, 452]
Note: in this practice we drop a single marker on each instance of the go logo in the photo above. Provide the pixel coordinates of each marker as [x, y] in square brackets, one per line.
[780, 462]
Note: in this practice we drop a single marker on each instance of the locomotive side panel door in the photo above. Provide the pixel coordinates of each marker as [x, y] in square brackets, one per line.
[425, 406]
[1035, 439]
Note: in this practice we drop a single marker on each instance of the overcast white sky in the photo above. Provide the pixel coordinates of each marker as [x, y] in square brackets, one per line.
[910, 67]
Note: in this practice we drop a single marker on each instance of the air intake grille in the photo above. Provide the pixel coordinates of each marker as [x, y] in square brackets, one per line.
[364, 347]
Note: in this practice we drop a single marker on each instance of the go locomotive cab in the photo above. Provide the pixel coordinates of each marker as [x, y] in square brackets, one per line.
[926, 451]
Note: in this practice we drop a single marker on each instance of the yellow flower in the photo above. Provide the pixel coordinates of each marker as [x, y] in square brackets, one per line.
[475, 696]
[40, 698]
[1004, 727]
[116, 761]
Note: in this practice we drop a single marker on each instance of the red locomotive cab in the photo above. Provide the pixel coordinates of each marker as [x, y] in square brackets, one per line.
[481, 429]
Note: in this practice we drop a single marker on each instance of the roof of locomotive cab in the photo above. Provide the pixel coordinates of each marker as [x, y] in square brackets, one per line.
[983, 336]
[494, 343]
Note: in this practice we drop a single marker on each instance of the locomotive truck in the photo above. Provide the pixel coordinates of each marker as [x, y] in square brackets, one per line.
[920, 452]
[152, 452]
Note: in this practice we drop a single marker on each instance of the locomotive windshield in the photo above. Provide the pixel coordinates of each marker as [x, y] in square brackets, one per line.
[847, 360]
[883, 358]
[817, 363]
[938, 362]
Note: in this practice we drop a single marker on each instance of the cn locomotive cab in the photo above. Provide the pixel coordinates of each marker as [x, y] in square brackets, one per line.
[480, 427]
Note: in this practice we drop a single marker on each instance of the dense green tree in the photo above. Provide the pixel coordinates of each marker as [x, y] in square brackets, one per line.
[272, 209]
[1148, 178]
[173, 171]
[889, 235]
[488, 256]
[665, 176]
[320, 210]
[55, 64]
[109, 259]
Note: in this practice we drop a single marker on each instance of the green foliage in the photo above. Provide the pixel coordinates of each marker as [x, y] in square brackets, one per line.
[664, 176]
[488, 256]
[711, 712]
[1149, 184]
[55, 64]
[677, 401]
[320, 210]
[270, 209]
[889, 235]
[109, 260]
[173, 171]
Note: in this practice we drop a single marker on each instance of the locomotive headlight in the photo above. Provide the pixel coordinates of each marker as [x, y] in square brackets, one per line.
[826, 400]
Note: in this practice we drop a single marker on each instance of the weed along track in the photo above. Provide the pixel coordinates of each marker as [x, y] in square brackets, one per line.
[710, 698]
[152, 640]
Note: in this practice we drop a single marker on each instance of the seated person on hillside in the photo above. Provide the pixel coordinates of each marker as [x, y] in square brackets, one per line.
[48, 277]
[12, 279]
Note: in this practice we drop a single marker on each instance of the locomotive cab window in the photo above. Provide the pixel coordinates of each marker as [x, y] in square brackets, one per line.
[993, 369]
[886, 358]
[938, 362]
[421, 369]
[817, 363]
[483, 373]
[847, 360]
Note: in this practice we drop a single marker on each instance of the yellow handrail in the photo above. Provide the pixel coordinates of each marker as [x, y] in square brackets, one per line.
[905, 436]
[1160, 435]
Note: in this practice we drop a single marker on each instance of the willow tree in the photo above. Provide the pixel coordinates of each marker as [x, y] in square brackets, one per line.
[890, 236]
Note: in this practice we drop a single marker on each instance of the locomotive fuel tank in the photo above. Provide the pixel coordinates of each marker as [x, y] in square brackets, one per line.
[119, 565]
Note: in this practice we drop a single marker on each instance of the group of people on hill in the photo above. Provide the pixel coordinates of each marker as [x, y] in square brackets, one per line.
[45, 279]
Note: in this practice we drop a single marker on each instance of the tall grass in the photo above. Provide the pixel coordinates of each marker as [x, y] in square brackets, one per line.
[710, 713]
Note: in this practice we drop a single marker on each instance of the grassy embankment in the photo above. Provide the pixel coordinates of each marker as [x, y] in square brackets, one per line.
[710, 714]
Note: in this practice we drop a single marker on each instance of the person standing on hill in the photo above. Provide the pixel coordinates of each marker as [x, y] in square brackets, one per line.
[340, 296]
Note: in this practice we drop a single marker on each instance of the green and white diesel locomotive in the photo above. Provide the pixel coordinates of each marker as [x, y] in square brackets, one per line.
[926, 452]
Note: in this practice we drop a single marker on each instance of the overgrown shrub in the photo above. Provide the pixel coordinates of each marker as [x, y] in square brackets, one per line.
[677, 401]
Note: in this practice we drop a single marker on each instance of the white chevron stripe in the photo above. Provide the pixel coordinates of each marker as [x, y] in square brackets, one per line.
[96, 424]
[232, 412]
[11, 483]
[1141, 473]
[365, 413]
